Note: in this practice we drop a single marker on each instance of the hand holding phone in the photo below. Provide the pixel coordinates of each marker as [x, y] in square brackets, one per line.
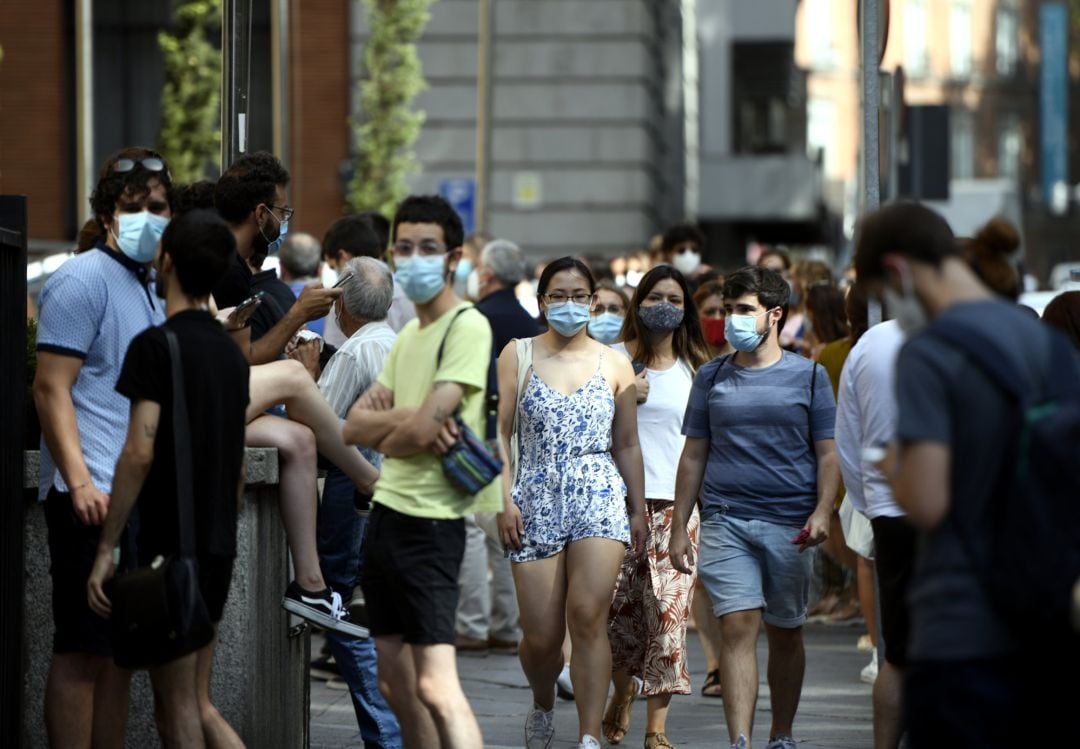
[343, 279]
[242, 312]
[802, 538]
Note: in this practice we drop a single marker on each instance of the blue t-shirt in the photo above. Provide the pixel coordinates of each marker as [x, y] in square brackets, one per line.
[761, 425]
[92, 308]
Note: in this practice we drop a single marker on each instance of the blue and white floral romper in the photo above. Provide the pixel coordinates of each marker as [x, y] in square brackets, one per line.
[568, 487]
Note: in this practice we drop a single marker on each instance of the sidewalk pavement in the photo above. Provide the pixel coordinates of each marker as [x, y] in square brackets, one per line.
[835, 711]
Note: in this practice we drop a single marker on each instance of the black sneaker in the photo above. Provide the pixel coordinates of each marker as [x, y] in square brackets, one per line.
[323, 608]
[324, 667]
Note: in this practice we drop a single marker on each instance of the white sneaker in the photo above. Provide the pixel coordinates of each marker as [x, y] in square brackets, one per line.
[539, 728]
[740, 743]
[869, 672]
[781, 741]
[588, 742]
[563, 685]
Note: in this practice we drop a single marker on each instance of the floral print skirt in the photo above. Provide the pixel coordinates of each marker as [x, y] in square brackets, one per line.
[647, 626]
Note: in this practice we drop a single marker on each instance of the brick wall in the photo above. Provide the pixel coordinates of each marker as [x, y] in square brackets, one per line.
[319, 72]
[35, 114]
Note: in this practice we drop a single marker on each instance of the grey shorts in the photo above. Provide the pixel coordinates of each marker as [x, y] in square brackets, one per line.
[752, 564]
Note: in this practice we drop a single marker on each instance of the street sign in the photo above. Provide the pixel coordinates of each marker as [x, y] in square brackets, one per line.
[460, 193]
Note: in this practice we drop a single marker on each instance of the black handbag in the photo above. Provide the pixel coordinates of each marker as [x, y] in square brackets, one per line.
[158, 613]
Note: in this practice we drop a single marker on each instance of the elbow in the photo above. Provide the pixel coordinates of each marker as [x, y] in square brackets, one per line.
[923, 512]
[138, 459]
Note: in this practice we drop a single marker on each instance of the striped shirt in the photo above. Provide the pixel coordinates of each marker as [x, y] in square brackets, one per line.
[354, 368]
[761, 425]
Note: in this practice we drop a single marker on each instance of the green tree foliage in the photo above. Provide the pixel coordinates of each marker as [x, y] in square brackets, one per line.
[190, 136]
[388, 126]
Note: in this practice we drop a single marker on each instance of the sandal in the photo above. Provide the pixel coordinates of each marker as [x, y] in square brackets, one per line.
[711, 687]
[617, 721]
[657, 741]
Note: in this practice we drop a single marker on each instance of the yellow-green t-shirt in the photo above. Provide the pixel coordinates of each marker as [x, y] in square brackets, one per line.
[416, 485]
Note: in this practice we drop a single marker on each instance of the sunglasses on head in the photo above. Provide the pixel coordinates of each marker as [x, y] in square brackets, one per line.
[150, 163]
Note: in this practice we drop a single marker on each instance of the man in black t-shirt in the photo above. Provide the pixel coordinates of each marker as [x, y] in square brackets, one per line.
[195, 251]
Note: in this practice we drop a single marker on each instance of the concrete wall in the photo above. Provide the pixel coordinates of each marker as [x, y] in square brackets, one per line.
[581, 100]
[259, 680]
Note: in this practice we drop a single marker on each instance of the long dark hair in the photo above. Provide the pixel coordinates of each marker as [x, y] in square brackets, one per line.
[687, 340]
[825, 305]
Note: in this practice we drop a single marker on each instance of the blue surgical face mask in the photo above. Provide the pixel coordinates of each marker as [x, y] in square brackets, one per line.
[567, 318]
[742, 333]
[462, 271]
[605, 328]
[275, 244]
[137, 234]
[422, 277]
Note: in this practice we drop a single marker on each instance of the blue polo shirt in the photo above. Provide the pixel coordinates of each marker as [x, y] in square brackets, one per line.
[92, 308]
[761, 425]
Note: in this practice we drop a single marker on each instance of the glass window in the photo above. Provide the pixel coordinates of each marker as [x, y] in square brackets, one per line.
[960, 39]
[962, 143]
[821, 130]
[1010, 143]
[915, 31]
[1007, 38]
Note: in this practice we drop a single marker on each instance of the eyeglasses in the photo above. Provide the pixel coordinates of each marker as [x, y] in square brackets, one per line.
[615, 309]
[149, 163]
[558, 298]
[425, 248]
[286, 211]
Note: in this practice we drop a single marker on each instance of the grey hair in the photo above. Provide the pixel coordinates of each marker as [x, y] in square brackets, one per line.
[369, 293]
[300, 255]
[506, 261]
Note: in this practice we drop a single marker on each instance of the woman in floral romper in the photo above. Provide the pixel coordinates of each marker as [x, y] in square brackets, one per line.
[577, 497]
[662, 336]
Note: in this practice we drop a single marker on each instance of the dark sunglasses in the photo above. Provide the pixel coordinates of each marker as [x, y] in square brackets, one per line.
[150, 163]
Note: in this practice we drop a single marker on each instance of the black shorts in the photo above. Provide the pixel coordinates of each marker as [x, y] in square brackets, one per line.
[410, 575]
[72, 550]
[215, 575]
[894, 563]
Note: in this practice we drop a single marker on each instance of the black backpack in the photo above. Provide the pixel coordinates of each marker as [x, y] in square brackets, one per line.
[1035, 511]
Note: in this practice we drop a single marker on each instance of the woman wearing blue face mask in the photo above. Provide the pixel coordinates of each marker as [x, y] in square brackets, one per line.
[608, 312]
[652, 601]
[577, 497]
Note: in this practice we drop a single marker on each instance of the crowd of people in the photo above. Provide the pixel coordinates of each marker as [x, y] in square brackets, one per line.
[675, 445]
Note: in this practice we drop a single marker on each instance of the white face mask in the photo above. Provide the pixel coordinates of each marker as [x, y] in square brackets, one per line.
[687, 261]
[472, 285]
[905, 308]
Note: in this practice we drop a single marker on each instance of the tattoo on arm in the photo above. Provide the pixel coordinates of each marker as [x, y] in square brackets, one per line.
[440, 415]
[149, 431]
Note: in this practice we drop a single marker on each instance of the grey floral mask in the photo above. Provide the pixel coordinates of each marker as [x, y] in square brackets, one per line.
[661, 318]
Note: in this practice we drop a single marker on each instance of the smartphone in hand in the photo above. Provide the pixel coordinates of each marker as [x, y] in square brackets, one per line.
[252, 300]
[803, 537]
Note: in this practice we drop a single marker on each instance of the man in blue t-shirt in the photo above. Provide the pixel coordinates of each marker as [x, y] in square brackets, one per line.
[760, 453]
[91, 309]
[971, 680]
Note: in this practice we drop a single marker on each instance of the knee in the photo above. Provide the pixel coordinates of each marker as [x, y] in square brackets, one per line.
[784, 639]
[297, 443]
[739, 627]
[436, 695]
[587, 620]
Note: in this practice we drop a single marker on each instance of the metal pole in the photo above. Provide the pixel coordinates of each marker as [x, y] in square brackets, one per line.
[279, 66]
[235, 78]
[483, 111]
[869, 54]
[870, 99]
[84, 108]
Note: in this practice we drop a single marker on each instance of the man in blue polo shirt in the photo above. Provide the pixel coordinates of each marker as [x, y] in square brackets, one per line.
[759, 429]
[91, 309]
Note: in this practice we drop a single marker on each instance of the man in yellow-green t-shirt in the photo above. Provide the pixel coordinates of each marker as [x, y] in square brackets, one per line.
[416, 533]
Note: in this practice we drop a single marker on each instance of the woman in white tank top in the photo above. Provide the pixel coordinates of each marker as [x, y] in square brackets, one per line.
[662, 337]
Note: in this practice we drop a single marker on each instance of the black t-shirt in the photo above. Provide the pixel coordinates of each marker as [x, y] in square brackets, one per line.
[235, 286]
[216, 389]
[279, 298]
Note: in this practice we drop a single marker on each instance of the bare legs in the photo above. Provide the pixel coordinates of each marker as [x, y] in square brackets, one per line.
[888, 691]
[289, 383]
[296, 448]
[186, 717]
[421, 684]
[86, 701]
[574, 587]
[865, 584]
[708, 626]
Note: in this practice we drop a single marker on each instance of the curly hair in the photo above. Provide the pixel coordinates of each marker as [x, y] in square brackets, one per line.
[250, 181]
[431, 209]
[111, 185]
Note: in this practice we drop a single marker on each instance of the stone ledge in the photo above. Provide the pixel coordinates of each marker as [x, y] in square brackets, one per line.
[261, 464]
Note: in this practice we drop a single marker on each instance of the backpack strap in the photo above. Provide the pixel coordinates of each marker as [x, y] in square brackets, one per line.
[716, 372]
[524, 350]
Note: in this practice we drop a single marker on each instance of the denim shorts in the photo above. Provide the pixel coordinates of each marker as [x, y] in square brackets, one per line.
[752, 564]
